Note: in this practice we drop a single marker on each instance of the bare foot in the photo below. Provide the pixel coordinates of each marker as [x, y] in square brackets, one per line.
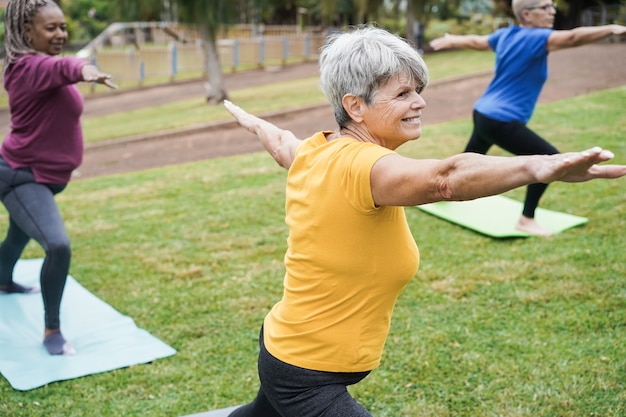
[280, 143]
[530, 226]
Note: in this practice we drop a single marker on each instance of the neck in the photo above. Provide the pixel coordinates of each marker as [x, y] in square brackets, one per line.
[357, 132]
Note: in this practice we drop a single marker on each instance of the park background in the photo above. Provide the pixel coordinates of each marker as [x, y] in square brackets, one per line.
[155, 41]
[193, 253]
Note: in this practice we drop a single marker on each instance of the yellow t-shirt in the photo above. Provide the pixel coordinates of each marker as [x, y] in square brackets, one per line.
[346, 264]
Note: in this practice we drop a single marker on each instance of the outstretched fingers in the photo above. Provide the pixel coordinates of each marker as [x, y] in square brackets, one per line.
[583, 166]
[101, 78]
[107, 81]
[92, 74]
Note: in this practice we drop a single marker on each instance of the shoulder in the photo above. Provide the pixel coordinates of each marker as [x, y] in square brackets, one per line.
[527, 33]
[540, 33]
[531, 40]
[344, 150]
[505, 31]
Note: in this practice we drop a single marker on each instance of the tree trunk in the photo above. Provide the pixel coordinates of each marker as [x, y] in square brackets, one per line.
[410, 23]
[215, 86]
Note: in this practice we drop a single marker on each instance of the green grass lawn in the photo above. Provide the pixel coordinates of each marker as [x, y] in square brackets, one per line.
[193, 253]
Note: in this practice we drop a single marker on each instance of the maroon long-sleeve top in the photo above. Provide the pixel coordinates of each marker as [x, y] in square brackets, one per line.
[46, 134]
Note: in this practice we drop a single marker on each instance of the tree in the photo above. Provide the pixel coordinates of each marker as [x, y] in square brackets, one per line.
[208, 16]
[142, 10]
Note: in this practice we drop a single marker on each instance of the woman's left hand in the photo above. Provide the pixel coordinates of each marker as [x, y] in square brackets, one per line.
[578, 166]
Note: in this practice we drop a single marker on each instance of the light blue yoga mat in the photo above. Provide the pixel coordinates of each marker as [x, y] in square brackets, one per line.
[104, 339]
[497, 215]
[222, 412]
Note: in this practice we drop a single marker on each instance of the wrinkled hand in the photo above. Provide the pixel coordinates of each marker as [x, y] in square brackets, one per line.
[280, 143]
[93, 75]
[579, 167]
[443, 42]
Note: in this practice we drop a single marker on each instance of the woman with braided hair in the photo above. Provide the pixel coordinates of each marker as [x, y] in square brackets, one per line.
[42, 148]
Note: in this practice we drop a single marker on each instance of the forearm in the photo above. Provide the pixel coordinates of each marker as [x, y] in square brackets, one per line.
[279, 143]
[473, 176]
[582, 36]
[468, 176]
[477, 42]
[399, 181]
[472, 42]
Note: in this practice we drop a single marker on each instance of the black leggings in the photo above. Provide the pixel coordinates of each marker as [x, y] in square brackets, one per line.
[33, 214]
[514, 137]
[289, 391]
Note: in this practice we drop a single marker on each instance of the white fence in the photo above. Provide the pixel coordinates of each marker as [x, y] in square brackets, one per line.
[132, 66]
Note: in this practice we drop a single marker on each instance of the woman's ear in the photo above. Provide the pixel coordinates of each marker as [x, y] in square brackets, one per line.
[353, 105]
[28, 32]
[523, 16]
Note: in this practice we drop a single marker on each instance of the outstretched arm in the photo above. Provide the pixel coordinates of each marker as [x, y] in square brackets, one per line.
[280, 143]
[478, 42]
[560, 39]
[400, 181]
[92, 74]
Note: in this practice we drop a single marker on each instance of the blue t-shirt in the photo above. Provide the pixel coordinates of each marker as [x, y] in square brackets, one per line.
[521, 70]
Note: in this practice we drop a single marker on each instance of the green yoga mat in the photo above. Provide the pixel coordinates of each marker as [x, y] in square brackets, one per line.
[104, 339]
[496, 216]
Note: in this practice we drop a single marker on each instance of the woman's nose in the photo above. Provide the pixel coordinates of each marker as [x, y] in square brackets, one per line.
[418, 101]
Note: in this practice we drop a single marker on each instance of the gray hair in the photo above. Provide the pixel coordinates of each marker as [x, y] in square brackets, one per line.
[17, 15]
[519, 5]
[360, 62]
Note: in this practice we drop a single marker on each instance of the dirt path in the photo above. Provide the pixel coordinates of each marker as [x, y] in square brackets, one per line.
[572, 72]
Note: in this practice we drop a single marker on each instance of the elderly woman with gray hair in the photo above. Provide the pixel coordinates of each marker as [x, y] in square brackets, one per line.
[501, 114]
[350, 251]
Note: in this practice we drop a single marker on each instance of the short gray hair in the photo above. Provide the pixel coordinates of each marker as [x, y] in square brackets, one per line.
[519, 5]
[361, 61]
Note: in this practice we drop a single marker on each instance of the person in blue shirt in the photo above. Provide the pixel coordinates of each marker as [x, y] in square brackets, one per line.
[500, 115]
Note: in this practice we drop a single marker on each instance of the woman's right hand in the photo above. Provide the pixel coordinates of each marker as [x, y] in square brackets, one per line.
[443, 42]
[92, 74]
[280, 143]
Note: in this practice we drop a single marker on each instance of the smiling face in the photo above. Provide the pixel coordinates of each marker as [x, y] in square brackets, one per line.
[394, 117]
[48, 31]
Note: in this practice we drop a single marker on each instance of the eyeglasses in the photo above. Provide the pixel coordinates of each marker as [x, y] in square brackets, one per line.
[545, 8]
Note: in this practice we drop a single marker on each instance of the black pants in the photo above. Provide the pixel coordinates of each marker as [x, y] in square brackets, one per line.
[290, 391]
[33, 214]
[516, 138]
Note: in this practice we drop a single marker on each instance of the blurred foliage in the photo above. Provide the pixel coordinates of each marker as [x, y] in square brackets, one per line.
[87, 18]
